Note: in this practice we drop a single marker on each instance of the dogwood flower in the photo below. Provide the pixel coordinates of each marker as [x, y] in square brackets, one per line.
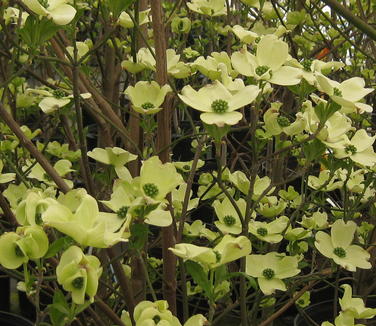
[343, 319]
[271, 206]
[266, 65]
[31, 206]
[347, 94]
[58, 10]
[54, 100]
[270, 269]
[146, 60]
[334, 128]
[227, 250]
[269, 232]
[359, 149]
[82, 49]
[79, 274]
[62, 167]
[208, 7]
[311, 67]
[115, 156]
[327, 178]
[355, 306]
[240, 180]
[126, 21]
[338, 247]
[244, 35]
[211, 65]
[229, 220]
[156, 313]
[318, 221]
[181, 25]
[78, 216]
[147, 97]
[198, 229]
[11, 15]
[156, 179]
[275, 123]
[28, 242]
[217, 103]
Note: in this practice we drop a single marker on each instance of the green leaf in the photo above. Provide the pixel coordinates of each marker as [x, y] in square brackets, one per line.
[59, 310]
[200, 277]
[35, 32]
[303, 89]
[139, 236]
[117, 6]
[314, 150]
[220, 274]
[81, 308]
[296, 17]
[217, 132]
[324, 112]
[59, 245]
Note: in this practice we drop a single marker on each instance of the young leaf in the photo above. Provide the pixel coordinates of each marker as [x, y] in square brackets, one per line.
[139, 236]
[200, 277]
[314, 149]
[117, 6]
[59, 310]
[59, 245]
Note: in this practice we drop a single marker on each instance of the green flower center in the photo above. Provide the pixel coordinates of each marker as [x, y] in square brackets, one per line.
[156, 319]
[337, 92]
[57, 93]
[147, 106]
[268, 273]
[340, 252]
[229, 220]
[283, 121]
[78, 283]
[219, 106]
[262, 231]
[150, 189]
[258, 39]
[122, 212]
[18, 251]
[261, 70]
[307, 64]
[186, 167]
[350, 149]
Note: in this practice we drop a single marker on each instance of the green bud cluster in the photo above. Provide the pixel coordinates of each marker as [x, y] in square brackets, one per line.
[147, 106]
[261, 70]
[340, 252]
[219, 106]
[122, 212]
[150, 189]
[283, 121]
[229, 220]
[268, 273]
[262, 231]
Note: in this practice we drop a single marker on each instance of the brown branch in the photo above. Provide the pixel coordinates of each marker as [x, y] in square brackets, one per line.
[27, 143]
[108, 311]
[125, 286]
[163, 140]
[351, 18]
[7, 211]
